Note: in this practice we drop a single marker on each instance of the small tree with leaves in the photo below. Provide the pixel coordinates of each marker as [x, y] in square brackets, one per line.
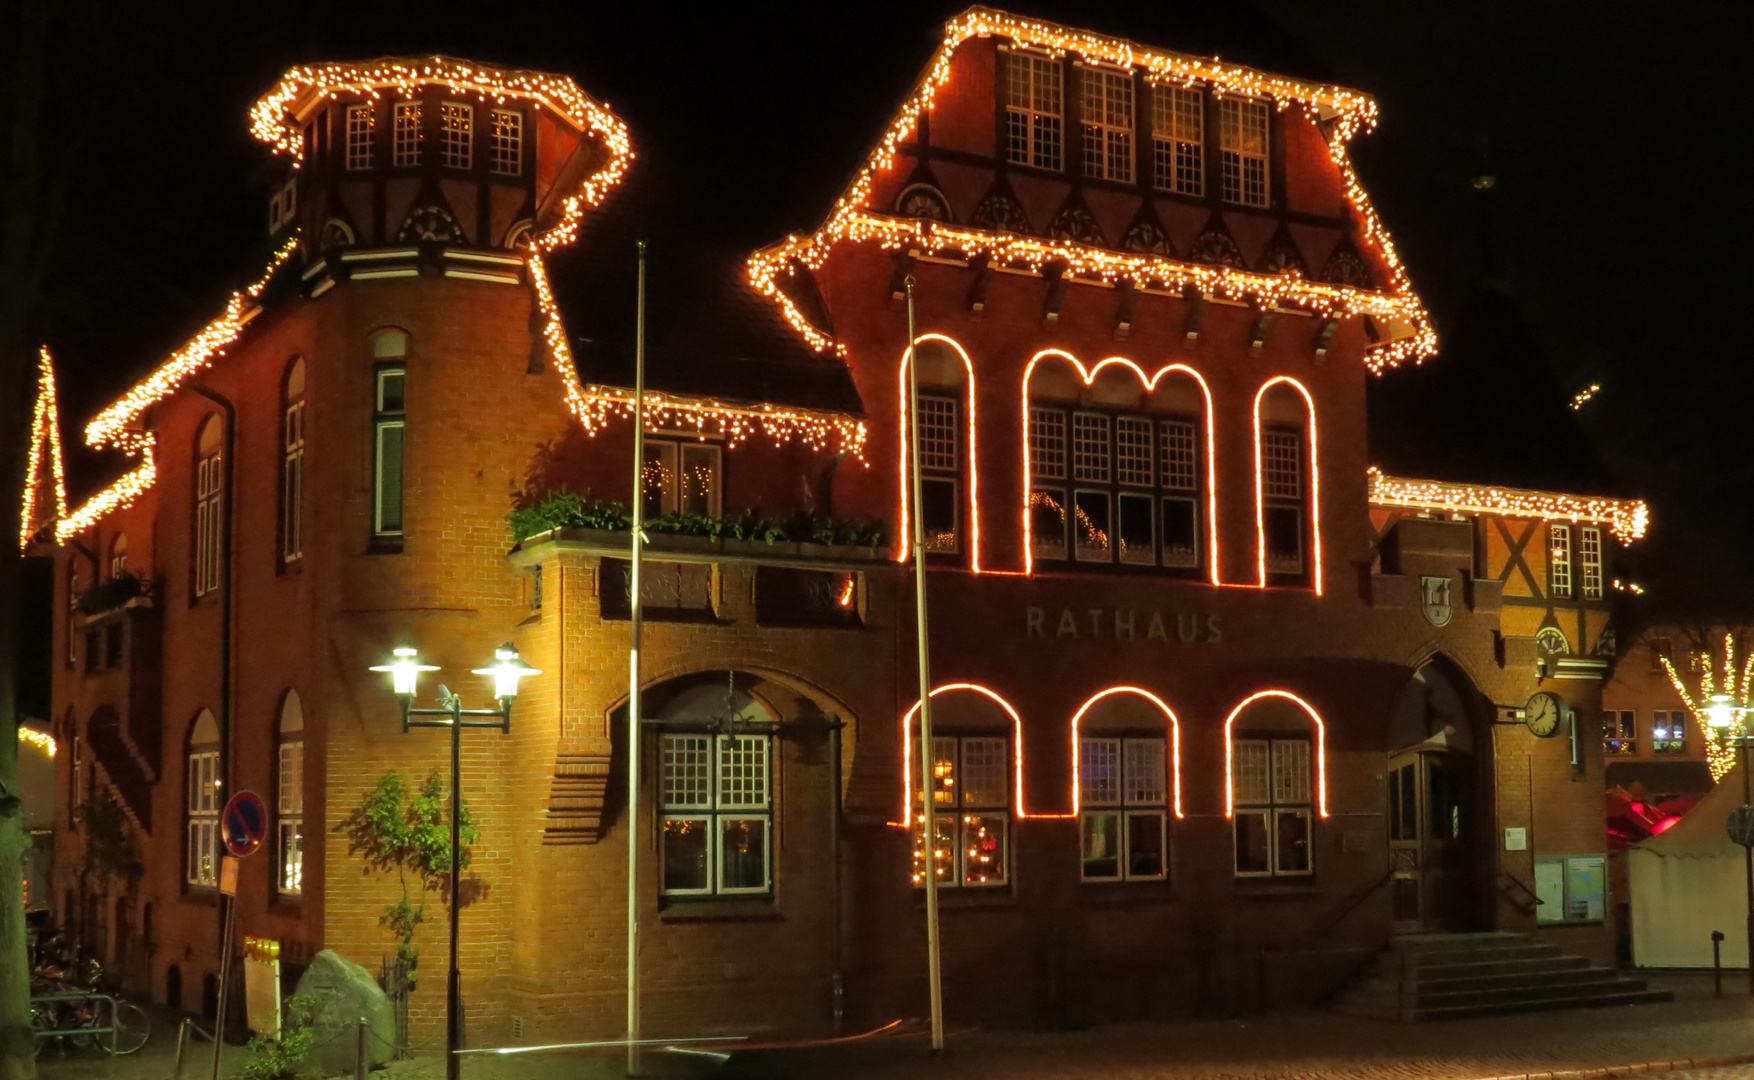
[407, 833]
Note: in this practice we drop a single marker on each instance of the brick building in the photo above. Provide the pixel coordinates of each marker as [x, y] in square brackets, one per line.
[1218, 706]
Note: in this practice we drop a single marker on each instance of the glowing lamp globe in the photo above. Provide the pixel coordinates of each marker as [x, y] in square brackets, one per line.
[405, 670]
[1721, 712]
[507, 668]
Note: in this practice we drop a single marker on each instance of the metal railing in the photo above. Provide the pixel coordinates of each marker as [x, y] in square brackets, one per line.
[92, 1029]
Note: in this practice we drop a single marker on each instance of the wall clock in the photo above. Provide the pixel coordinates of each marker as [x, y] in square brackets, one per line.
[1543, 715]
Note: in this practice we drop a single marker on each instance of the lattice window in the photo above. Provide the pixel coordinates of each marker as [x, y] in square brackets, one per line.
[1146, 779]
[1559, 559]
[1047, 444]
[1620, 732]
[290, 816]
[1123, 825]
[971, 788]
[1251, 771]
[359, 137]
[406, 148]
[202, 854]
[718, 814]
[1033, 110]
[456, 135]
[1090, 456]
[688, 778]
[1108, 125]
[1180, 455]
[508, 142]
[743, 771]
[1133, 450]
[1281, 464]
[1242, 131]
[1589, 550]
[1271, 791]
[1099, 772]
[1178, 140]
[937, 422]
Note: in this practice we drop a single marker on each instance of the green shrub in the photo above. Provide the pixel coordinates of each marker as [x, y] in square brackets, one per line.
[276, 1059]
[112, 593]
[566, 509]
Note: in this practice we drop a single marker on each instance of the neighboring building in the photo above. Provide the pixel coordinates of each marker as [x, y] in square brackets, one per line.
[1649, 737]
[1218, 707]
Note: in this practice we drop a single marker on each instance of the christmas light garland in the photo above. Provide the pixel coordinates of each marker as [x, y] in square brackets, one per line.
[855, 219]
[42, 740]
[45, 440]
[1720, 742]
[1627, 519]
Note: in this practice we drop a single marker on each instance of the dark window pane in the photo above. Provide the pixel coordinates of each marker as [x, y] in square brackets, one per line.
[1047, 523]
[1145, 845]
[1137, 544]
[685, 855]
[1285, 539]
[1251, 843]
[743, 856]
[1092, 526]
[1102, 845]
[390, 478]
[391, 398]
[1181, 532]
[1293, 841]
[938, 513]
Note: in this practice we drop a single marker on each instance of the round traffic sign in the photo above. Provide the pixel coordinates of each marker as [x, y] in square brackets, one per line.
[1740, 825]
[244, 823]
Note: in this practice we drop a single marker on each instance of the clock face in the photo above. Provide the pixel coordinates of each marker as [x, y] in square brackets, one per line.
[1543, 715]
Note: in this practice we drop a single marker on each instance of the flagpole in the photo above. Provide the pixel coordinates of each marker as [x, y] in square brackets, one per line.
[928, 787]
[633, 675]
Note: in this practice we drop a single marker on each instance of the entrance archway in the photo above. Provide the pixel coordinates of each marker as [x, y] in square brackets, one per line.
[1435, 807]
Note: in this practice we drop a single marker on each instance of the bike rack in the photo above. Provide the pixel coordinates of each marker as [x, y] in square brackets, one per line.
[109, 1029]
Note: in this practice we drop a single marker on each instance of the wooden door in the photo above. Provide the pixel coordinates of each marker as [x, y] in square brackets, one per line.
[1430, 841]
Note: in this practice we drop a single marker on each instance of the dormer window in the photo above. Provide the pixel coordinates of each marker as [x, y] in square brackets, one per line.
[1034, 109]
[359, 137]
[1108, 125]
[508, 142]
[1178, 140]
[1242, 127]
[456, 135]
[407, 142]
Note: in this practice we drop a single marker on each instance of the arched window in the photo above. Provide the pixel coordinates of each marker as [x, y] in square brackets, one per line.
[289, 845]
[977, 777]
[118, 554]
[1118, 466]
[209, 506]
[1288, 539]
[390, 431]
[204, 789]
[1275, 783]
[717, 793]
[1127, 779]
[292, 462]
[949, 475]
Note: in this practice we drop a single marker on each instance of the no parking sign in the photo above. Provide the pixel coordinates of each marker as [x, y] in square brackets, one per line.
[244, 823]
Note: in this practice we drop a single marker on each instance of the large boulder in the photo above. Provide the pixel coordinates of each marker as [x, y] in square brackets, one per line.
[348, 993]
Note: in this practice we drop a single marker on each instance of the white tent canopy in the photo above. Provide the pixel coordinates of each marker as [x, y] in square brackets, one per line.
[1687, 882]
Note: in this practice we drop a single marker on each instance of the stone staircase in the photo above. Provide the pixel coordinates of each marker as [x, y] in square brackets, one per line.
[1440, 976]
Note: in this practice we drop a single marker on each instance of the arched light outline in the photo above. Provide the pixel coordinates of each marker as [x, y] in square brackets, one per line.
[1150, 383]
[1315, 487]
[1175, 742]
[907, 752]
[905, 533]
[1321, 742]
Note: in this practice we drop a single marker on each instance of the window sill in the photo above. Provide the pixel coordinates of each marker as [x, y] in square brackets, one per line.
[384, 545]
[738, 909]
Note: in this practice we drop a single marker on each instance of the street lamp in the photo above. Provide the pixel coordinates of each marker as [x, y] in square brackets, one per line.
[404, 671]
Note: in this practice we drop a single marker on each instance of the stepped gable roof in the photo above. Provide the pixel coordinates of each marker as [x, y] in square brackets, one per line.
[855, 217]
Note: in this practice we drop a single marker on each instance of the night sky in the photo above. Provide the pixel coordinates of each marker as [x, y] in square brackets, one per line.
[1609, 248]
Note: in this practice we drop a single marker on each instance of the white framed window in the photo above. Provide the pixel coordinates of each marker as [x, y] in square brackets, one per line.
[292, 464]
[209, 566]
[456, 135]
[1271, 789]
[1282, 493]
[1559, 560]
[1108, 124]
[407, 132]
[1047, 463]
[290, 846]
[508, 142]
[971, 787]
[1090, 456]
[1122, 808]
[940, 472]
[1620, 732]
[683, 477]
[1034, 110]
[390, 423]
[1133, 464]
[1242, 144]
[201, 866]
[1668, 731]
[359, 137]
[1589, 552]
[1178, 140]
[717, 814]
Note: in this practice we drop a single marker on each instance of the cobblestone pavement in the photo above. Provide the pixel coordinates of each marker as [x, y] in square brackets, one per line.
[1301, 1045]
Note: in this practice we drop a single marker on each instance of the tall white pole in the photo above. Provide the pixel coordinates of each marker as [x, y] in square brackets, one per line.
[928, 787]
[633, 679]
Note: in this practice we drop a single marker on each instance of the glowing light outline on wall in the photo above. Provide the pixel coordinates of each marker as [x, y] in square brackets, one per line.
[907, 751]
[1175, 742]
[1321, 749]
[904, 535]
[45, 439]
[1315, 487]
[1150, 383]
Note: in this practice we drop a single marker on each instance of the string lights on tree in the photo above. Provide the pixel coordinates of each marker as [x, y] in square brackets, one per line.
[854, 218]
[1627, 519]
[1719, 703]
[42, 740]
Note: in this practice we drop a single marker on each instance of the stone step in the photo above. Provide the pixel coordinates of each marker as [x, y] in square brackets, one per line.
[1589, 1001]
[1429, 942]
[1578, 971]
[1435, 963]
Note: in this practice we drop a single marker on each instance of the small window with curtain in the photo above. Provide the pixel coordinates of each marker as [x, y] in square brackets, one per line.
[1242, 125]
[1122, 797]
[292, 463]
[1559, 560]
[209, 568]
[407, 134]
[1178, 134]
[1108, 124]
[682, 476]
[717, 814]
[1668, 731]
[359, 137]
[972, 818]
[940, 473]
[1033, 110]
[1272, 790]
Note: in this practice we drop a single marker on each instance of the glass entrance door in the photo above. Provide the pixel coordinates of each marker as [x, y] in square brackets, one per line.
[1430, 838]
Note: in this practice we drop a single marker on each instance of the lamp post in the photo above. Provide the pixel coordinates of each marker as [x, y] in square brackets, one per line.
[1721, 713]
[506, 669]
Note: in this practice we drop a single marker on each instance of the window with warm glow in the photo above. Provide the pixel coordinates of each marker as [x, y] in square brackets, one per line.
[1620, 732]
[1284, 511]
[359, 137]
[940, 472]
[1108, 124]
[970, 798]
[209, 568]
[1178, 140]
[1033, 110]
[292, 463]
[1589, 551]
[1668, 731]
[1122, 820]
[456, 135]
[1242, 130]
[1272, 789]
[1559, 560]
[508, 142]
[407, 134]
[119, 555]
[683, 477]
[204, 797]
[717, 814]
[289, 815]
